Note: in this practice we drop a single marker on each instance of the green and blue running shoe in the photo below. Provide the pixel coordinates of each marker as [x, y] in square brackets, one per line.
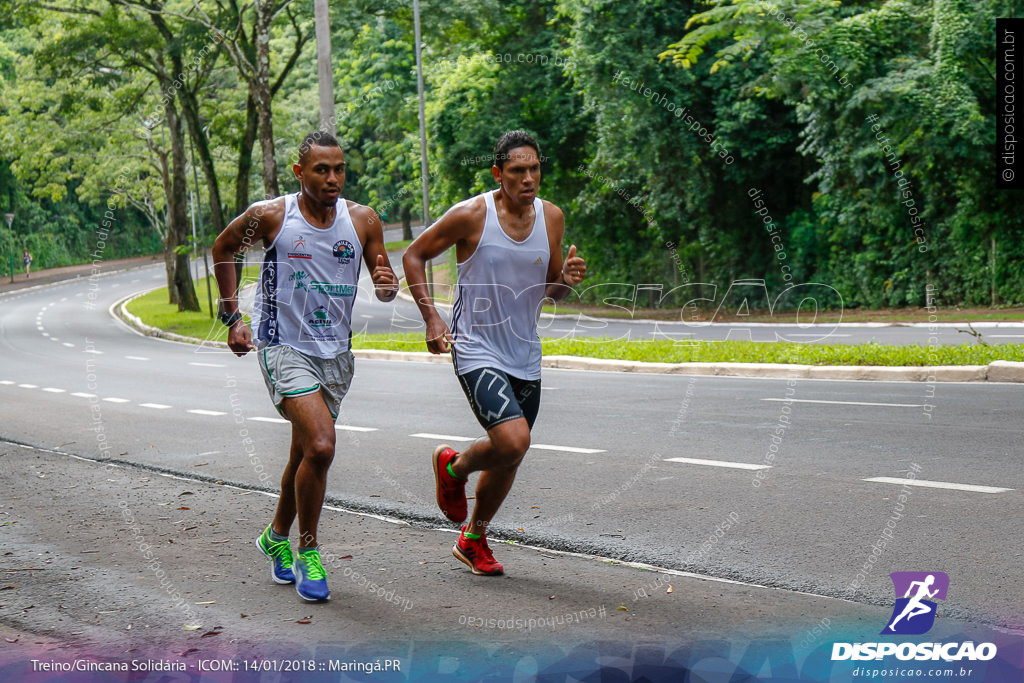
[310, 576]
[280, 555]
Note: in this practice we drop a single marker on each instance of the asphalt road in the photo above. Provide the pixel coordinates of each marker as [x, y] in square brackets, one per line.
[602, 477]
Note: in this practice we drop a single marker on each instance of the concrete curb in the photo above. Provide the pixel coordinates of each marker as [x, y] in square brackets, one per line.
[997, 371]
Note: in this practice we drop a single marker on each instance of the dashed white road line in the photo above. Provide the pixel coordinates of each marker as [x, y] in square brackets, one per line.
[719, 463]
[98, 353]
[273, 420]
[67, 344]
[114, 399]
[350, 428]
[54, 390]
[567, 449]
[136, 358]
[82, 394]
[6, 381]
[208, 365]
[938, 485]
[29, 386]
[206, 412]
[847, 403]
[441, 437]
[154, 406]
[538, 446]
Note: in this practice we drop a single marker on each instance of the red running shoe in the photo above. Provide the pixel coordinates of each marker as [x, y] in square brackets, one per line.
[475, 553]
[451, 491]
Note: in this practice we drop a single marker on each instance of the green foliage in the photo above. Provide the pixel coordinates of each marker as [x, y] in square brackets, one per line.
[769, 96]
[664, 351]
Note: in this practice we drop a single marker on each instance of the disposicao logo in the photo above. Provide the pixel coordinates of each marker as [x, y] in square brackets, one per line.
[914, 614]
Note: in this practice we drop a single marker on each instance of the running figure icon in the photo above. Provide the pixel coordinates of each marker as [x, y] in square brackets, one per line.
[916, 595]
[915, 607]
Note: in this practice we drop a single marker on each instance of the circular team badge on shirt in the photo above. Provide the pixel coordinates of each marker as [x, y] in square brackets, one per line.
[344, 250]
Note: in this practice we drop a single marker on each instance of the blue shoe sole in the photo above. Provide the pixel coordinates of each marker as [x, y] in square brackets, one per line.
[273, 574]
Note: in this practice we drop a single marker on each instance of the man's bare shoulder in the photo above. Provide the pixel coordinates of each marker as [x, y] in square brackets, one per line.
[269, 212]
[552, 211]
[467, 214]
[361, 212]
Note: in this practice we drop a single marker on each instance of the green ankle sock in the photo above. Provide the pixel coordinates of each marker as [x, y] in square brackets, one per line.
[471, 536]
[454, 476]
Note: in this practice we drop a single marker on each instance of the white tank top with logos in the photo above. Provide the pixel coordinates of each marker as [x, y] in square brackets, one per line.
[500, 290]
[308, 284]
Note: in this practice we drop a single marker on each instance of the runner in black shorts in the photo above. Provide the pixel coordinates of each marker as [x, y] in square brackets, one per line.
[508, 244]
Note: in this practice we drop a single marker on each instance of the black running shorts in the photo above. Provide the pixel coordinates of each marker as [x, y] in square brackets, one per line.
[496, 397]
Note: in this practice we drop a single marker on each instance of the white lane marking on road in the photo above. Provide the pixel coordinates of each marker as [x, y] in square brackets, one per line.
[29, 386]
[134, 281]
[54, 339]
[67, 344]
[938, 485]
[205, 412]
[154, 406]
[363, 315]
[54, 390]
[549, 388]
[98, 353]
[209, 453]
[847, 403]
[114, 399]
[350, 428]
[273, 420]
[136, 358]
[6, 381]
[40, 328]
[208, 365]
[719, 463]
[64, 299]
[82, 394]
[442, 437]
[567, 449]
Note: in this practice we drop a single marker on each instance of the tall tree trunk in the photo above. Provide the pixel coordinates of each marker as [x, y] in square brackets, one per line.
[165, 181]
[178, 228]
[245, 145]
[262, 96]
[190, 108]
[406, 222]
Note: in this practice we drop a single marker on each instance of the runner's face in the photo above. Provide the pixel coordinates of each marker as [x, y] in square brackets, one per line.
[521, 175]
[323, 174]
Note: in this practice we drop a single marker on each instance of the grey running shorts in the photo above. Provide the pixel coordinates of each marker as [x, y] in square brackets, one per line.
[290, 373]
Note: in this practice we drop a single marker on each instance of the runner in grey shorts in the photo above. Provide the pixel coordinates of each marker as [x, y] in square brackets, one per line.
[316, 242]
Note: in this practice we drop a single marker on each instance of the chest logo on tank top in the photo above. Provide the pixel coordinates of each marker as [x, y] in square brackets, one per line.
[344, 250]
[321, 318]
[299, 249]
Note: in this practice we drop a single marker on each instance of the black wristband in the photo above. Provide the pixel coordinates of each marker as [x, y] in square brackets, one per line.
[230, 320]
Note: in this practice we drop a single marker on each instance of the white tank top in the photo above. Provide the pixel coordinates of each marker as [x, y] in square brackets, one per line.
[500, 289]
[308, 284]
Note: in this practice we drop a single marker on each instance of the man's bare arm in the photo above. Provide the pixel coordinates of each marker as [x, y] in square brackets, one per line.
[460, 223]
[259, 224]
[562, 275]
[385, 282]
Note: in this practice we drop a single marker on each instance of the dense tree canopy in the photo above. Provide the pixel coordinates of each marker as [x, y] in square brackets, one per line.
[800, 141]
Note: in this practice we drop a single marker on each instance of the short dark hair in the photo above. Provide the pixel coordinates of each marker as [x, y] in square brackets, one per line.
[319, 138]
[509, 141]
